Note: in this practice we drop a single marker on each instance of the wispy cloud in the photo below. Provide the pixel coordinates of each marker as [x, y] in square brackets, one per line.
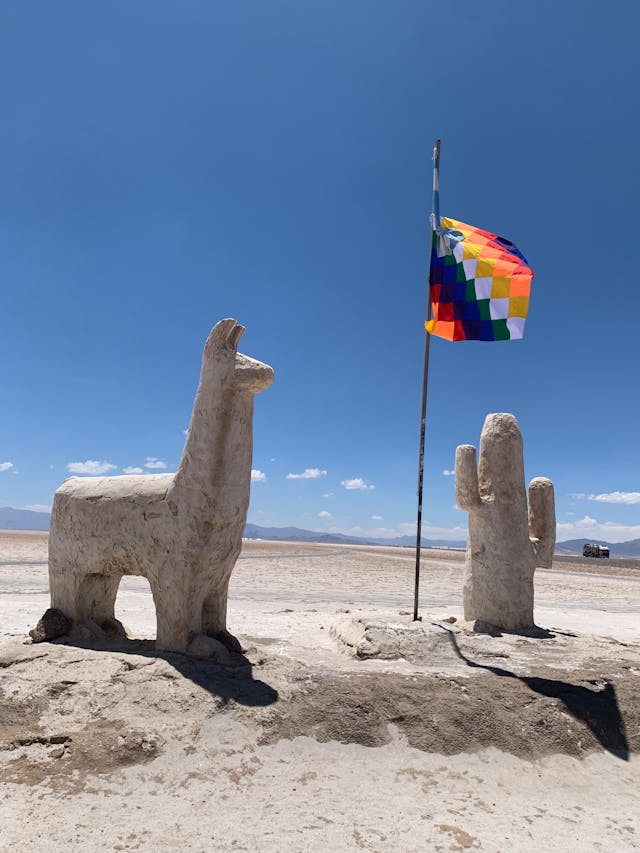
[610, 497]
[591, 528]
[38, 507]
[324, 514]
[132, 469]
[307, 474]
[155, 464]
[91, 466]
[356, 484]
[328, 495]
[448, 473]
[258, 476]
[6, 466]
[376, 518]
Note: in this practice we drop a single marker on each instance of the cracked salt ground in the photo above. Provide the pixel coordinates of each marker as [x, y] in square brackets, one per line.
[140, 736]
[514, 743]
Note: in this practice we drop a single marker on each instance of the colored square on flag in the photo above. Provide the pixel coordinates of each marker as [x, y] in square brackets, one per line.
[479, 285]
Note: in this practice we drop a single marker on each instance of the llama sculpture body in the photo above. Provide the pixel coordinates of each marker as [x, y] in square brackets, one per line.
[183, 531]
[506, 542]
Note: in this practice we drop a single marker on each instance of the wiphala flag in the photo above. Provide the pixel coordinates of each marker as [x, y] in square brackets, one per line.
[479, 285]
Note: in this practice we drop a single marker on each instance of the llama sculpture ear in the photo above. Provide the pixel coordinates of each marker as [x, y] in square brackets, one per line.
[220, 334]
[235, 336]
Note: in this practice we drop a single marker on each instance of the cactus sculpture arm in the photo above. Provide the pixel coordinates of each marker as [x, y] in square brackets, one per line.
[506, 540]
[467, 492]
[542, 520]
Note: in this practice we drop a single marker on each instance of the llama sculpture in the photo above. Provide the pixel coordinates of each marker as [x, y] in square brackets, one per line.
[182, 531]
[505, 544]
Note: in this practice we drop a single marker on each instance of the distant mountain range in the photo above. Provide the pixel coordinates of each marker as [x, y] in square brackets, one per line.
[297, 534]
[26, 519]
[23, 519]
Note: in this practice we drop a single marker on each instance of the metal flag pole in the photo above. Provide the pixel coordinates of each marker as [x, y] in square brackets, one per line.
[435, 223]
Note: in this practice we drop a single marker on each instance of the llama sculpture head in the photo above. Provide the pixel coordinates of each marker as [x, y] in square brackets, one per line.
[219, 440]
[221, 355]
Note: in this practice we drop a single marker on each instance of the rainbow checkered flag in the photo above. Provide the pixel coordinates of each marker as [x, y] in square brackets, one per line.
[479, 285]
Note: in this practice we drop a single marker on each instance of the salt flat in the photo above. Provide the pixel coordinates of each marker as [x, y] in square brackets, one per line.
[487, 743]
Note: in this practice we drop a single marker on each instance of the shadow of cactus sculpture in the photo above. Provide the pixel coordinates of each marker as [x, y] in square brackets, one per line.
[506, 541]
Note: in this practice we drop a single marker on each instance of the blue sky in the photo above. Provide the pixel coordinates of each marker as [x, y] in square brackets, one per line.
[164, 165]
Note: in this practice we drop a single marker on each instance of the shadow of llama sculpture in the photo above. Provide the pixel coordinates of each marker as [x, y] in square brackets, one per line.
[505, 542]
[183, 531]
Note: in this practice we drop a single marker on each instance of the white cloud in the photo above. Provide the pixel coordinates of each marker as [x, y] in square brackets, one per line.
[376, 518]
[154, 464]
[38, 507]
[448, 473]
[132, 469]
[357, 483]
[328, 495]
[91, 466]
[185, 432]
[6, 466]
[591, 528]
[324, 514]
[611, 497]
[258, 476]
[307, 474]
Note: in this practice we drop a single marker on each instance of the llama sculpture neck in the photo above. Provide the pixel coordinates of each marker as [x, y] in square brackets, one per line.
[218, 449]
[214, 475]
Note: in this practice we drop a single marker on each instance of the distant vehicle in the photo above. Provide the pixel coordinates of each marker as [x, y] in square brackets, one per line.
[595, 551]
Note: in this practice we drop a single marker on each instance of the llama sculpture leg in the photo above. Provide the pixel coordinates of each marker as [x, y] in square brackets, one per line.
[506, 542]
[96, 598]
[183, 531]
[175, 625]
[87, 598]
[214, 619]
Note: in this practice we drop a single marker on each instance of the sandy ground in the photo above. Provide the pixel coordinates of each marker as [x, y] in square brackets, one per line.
[465, 742]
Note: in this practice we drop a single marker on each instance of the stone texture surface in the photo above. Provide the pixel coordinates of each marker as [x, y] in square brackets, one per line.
[183, 531]
[507, 540]
[52, 625]
[367, 638]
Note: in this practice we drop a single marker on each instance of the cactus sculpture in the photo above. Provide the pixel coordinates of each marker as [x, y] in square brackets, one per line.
[505, 542]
